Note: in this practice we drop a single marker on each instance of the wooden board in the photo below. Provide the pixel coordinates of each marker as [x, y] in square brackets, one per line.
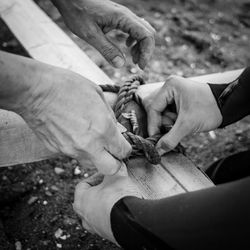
[46, 42]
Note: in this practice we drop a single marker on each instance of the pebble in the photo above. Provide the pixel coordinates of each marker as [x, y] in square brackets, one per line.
[48, 193]
[77, 170]
[59, 170]
[40, 181]
[4, 178]
[212, 135]
[18, 245]
[86, 175]
[58, 245]
[69, 221]
[58, 233]
[238, 132]
[63, 237]
[32, 200]
[54, 188]
[133, 70]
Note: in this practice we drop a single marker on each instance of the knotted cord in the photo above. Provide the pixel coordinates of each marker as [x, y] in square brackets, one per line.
[127, 108]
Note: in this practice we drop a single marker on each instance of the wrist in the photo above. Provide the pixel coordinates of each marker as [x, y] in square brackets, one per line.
[65, 6]
[233, 98]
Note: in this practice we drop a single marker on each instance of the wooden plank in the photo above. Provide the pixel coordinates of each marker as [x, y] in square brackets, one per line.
[222, 77]
[18, 143]
[48, 43]
[175, 169]
[153, 181]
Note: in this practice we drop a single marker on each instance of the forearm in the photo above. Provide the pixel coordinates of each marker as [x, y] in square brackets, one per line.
[235, 104]
[214, 218]
[19, 76]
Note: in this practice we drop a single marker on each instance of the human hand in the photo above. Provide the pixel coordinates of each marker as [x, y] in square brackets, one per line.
[92, 19]
[93, 203]
[196, 111]
[70, 116]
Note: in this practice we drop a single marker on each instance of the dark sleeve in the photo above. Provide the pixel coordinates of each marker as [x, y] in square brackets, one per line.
[214, 218]
[233, 98]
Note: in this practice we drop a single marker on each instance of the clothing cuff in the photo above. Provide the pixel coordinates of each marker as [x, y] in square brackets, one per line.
[233, 98]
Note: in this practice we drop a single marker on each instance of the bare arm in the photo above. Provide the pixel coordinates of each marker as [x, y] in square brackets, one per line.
[67, 112]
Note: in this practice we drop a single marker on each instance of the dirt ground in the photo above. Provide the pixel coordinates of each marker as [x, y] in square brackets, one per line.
[193, 37]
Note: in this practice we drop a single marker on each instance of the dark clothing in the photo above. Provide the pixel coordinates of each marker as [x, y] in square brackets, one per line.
[213, 218]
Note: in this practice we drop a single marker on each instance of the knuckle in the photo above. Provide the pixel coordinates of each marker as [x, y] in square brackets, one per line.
[172, 78]
[68, 150]
[107, 50]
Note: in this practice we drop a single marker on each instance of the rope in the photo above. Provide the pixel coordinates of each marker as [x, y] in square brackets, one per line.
[140, 146]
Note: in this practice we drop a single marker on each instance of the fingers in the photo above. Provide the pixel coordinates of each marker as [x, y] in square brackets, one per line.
[109, 50]
[170, 140]
[146, 47]
[95, 179]
[81, 188]
[109, 160]
[154, 122]
[106, 163]
[142, 32]
[155, 109]
[117, 145]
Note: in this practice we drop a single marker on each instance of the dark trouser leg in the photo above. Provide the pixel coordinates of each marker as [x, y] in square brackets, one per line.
[231, 168]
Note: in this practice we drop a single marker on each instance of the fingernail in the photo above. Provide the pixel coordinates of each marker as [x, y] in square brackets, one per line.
[118, 62]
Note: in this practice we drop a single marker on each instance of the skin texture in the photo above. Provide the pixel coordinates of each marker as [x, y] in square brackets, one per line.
[93, 203]
[65, 110]
[91, 20]
[196, 111]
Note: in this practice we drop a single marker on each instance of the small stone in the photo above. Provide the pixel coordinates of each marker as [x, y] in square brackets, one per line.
[77, 170]
[18, 245]
[45, 203]
[32, 200]
[40, 181]
[4, 178]
[238, 132]
[48, 193]
[212, 135]
[63, 237]
[54, 188]
[59, 170]
[58, 233]
[86, 175]
[133, 70]
[69, 221]
[58, 245]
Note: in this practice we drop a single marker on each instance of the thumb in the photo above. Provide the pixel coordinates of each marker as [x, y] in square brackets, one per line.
[170, 140]
[154, 122]
[81, 188]
[109, 50]
[116, 144]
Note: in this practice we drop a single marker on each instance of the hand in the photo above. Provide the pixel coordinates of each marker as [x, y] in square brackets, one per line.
[70, 115]
[94, 203]
[196, 111]
[92, 19]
